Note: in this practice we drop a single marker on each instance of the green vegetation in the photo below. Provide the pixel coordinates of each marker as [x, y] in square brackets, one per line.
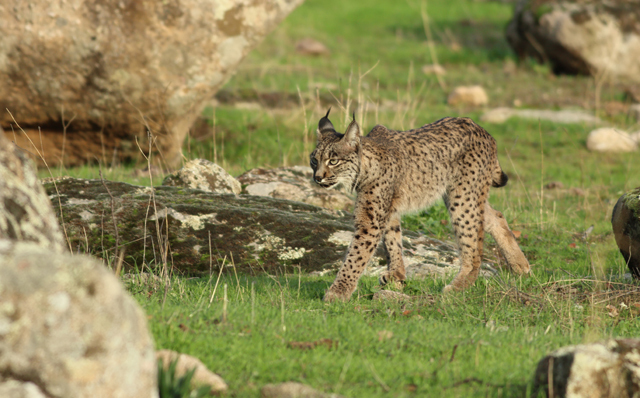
[171, 386]
[484, 342]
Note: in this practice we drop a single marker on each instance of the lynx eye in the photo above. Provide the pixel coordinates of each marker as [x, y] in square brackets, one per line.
[333, 162]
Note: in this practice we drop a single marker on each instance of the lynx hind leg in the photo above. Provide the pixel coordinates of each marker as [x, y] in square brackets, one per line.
[467, 218]
[395, 274]
[497, 226]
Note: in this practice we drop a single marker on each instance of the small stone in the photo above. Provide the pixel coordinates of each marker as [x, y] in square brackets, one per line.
[293, 390]
[609, 139]
[204, 175]
[309, 46]
[554, 185]
[468, 95]
[202, 375]
[434, 69]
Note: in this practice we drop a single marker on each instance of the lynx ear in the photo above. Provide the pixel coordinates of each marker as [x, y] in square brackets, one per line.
[352, 135]
[325, 123]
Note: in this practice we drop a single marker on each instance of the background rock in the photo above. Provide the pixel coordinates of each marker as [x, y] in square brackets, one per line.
[607, 369]
[501, 115]
[309, 46]
[204, 175]
[625, 221]
[25, 210]
[259, 233]
[434, 69]
[608, 139]
[585, 37]
[113, 69]
[185, 363]
[294, 183]
[468, 95]
[293, 390]
[68, 326]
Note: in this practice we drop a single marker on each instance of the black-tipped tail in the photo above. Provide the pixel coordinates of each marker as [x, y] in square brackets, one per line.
[501, 181]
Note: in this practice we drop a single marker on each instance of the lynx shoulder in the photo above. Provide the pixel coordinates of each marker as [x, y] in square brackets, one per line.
[394, 172]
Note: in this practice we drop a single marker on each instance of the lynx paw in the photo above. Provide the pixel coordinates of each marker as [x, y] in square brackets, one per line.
[331, 295]
[392, 281]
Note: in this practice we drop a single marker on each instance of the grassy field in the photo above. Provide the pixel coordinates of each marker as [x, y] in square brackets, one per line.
[484, 342]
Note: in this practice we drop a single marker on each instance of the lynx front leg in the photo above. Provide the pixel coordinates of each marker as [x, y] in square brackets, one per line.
[393, 247]
[497, 226]
[368, 231]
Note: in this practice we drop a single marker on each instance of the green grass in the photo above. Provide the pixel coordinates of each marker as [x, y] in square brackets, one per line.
[484, 342]
[497, 336]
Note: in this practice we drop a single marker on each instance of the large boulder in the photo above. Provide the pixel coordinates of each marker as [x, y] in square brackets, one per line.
[95, 75]
[579, 37]
[625, 221]
[194, 231]
[68, 328]
[204, 175]
[25, 210]
[610, 369]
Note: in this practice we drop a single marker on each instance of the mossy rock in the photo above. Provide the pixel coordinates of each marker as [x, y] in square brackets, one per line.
[625, 221]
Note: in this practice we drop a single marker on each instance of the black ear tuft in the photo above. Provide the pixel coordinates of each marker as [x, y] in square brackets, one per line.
[325, 123]
[354, 115]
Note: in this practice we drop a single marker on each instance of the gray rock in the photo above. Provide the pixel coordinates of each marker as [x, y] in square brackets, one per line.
[309, 46]
[68, 326]
[25, 210]
[293, 390]
[585, 37]
[625, 221]
[609, 369]
[294, 183]
[259, 233]
[19, 389]
[204, 175]
[119, 68]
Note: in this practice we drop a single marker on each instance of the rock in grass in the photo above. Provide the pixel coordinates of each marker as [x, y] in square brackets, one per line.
[625, 221]
[204, 175]
[68, 326]
[608, 139]
[468, 96]
[197, 231]
[609, 369]
[293, 390]
[186, 363]
[434, 69]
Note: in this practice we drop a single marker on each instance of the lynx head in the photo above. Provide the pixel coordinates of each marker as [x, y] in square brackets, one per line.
[336, 158]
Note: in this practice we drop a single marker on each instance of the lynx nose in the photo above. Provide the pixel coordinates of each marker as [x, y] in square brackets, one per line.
[317, 178]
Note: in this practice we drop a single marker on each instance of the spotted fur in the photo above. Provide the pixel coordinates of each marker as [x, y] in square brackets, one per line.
[394, 172]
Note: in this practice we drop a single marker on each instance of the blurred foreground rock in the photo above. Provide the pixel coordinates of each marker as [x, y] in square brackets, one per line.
[198, 231]
[579, 37]
[185, 363]
[25, 210]
[625, 221]
[610, 369]
[68, 328]
[608, 139]
[204, 175]
[94, 75]
[294, 183]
